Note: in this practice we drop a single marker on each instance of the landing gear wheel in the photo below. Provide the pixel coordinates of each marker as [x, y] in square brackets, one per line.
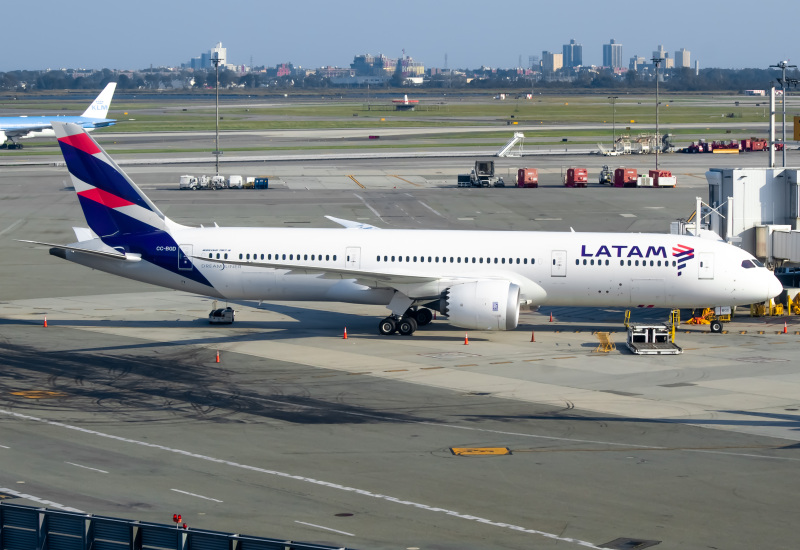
[423, 317]
[387, 326]
[406, 326]
[716, 326]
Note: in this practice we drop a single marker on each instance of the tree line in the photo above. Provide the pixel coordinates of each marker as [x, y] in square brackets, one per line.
[676, 80]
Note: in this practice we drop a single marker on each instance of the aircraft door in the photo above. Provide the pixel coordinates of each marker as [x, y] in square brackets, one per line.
[559, 263]
[353, 258]
[705, 263]
[184, 257]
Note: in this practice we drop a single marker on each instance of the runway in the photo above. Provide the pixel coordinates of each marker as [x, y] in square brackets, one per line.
[119, 408]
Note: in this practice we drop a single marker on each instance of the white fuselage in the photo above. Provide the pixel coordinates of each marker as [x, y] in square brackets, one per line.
[569, 269]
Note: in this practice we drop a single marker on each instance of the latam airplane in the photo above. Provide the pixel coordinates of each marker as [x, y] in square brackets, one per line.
[15, 128]
[478, 279]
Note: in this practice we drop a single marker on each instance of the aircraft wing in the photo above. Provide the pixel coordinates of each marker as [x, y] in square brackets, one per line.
[379, 279]
[350, 224]
[19, 130]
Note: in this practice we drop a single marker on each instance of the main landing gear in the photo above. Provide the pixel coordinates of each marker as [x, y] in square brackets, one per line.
[407, 324]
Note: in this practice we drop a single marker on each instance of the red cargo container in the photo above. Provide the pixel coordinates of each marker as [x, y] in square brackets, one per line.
[527, 177]
[577, 177]
[656, 174]
[625, 177]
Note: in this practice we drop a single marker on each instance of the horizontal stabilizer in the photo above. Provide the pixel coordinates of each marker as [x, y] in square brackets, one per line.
[109, 253]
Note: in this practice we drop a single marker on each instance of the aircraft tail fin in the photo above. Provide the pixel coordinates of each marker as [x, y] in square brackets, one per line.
[101, 104]
[112, 204]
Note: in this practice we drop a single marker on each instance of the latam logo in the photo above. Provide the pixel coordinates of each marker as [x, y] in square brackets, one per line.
[683, 254]
[624, 251]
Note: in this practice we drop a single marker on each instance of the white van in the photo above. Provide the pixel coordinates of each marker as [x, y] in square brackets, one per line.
[188, 182]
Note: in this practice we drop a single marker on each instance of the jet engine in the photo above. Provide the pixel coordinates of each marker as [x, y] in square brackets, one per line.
[482, 305]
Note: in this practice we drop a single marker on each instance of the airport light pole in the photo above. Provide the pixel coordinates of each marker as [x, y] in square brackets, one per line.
[216, 60]
[657, 61]
[613, 99]
[783, 65]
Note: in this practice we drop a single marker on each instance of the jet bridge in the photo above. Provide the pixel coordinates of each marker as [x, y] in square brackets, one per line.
[757, 209]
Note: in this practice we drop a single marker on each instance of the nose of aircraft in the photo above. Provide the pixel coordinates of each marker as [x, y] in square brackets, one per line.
[775, 287]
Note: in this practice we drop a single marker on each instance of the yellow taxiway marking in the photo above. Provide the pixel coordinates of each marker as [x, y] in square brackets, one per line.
[355, 180]
[405, 180]
[39, 394]
[480, 451]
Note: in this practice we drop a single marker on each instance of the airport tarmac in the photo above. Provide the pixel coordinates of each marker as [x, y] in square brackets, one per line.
[119, 408]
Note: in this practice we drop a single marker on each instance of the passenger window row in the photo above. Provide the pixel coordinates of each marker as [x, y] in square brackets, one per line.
[305, 257]
[653, 263]
[453, 260]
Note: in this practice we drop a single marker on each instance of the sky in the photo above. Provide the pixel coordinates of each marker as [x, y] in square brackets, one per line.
[118, 34]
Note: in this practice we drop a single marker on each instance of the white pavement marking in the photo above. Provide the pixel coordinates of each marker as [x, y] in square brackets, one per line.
[4, 447]
[628, 215]
[326, 528]
[86, 467]
[49, 503]
[359, 197]
[11, 227]
[195, 495]
[303, 479]
[431, 209]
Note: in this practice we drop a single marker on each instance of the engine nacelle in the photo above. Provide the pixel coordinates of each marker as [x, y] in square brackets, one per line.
[482, 305]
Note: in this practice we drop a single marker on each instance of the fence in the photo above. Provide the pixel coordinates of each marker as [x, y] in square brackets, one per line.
[31, 528]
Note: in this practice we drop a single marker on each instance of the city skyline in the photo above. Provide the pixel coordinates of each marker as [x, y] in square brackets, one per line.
[167, 34]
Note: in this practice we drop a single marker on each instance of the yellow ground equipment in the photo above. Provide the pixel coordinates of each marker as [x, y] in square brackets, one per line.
[605, 344]
[793, 304]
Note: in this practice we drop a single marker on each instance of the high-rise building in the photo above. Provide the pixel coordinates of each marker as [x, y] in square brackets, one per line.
[551, 62]
[683, 59]
[660, 53]
[205, 61]
[573, 54]
[637, 62]
[612, 55]
[218, 52]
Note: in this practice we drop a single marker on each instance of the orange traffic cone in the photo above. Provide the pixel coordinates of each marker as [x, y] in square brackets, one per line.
[345, 334]
[217, 356]
[785, 328]
[551, 316]
[434, 315]
[533, 336]
[45, 322]
[466, 339]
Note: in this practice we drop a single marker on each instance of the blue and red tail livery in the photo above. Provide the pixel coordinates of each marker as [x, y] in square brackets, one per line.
[112, 203]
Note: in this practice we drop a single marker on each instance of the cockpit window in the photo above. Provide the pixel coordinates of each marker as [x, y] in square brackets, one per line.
[757, 263]
[747, 264]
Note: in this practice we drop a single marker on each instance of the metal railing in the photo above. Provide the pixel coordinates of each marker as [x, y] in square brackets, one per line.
[31, 528]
